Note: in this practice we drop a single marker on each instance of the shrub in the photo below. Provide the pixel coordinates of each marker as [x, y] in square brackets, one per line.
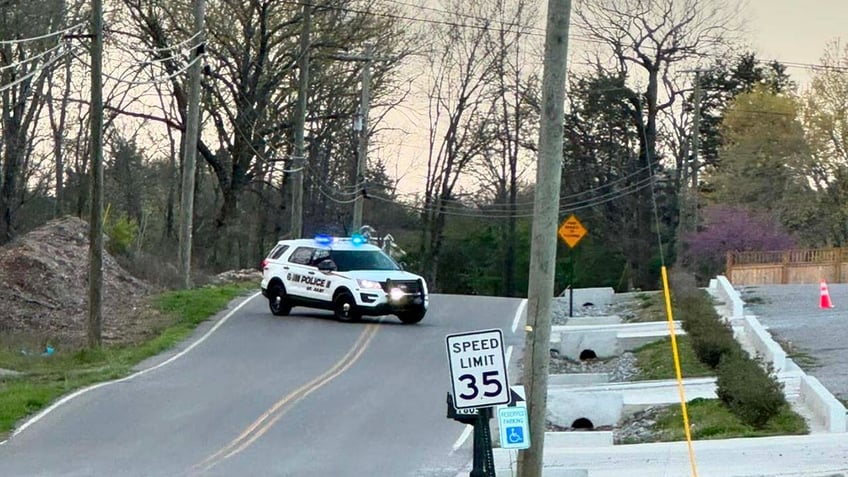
[711, 337]
[750, 392]
[122, 232]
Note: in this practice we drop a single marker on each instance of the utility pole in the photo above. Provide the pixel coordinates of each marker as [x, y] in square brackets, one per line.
[300, 124]
[362, 156]
[95, 231]
[543, 246]
[190, 138]
[696, 145]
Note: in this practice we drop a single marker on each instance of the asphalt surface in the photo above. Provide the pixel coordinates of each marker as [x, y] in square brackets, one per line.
[302, 396]
[792, 314]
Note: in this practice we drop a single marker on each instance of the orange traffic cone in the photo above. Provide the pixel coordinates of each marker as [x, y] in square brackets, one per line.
[825, 296]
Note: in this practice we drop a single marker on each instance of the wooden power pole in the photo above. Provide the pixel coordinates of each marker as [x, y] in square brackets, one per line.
[362, 161]
[543, 242]
[299, 162]
[95, 233]
[190, 138]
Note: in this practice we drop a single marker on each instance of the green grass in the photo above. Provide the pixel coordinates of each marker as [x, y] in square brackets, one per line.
[650, 306]
[710, 419]
[45, 379]
[656, 360]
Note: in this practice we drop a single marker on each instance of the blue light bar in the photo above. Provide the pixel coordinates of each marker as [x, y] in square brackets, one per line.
[357, 239]
[322, 239]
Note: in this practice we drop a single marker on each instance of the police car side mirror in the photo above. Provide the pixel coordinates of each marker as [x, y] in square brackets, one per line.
[327, 266]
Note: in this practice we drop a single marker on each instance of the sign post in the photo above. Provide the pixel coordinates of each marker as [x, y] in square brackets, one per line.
[571, 232]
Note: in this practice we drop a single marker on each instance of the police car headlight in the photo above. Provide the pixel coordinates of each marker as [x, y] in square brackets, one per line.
[396, 294]
[369, 284]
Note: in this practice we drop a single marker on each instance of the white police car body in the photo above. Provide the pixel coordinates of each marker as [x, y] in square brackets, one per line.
[346, 275]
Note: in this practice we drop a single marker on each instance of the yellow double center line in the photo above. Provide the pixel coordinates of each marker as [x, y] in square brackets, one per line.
[261, 425]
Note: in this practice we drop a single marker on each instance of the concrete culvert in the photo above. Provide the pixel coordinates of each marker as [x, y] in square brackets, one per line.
[587, 354]
[582, 423]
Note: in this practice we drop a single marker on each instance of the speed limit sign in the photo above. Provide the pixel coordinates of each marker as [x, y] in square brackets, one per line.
[478, 369]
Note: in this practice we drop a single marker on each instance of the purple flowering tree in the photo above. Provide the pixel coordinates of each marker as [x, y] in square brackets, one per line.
[730, 228]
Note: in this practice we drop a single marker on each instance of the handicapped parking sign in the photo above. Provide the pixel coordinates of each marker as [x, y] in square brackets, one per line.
[514, 428]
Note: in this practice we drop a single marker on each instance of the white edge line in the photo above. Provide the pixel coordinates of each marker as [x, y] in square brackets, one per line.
[518, 314]
[508, 354]
[82, 391]
[466, 433]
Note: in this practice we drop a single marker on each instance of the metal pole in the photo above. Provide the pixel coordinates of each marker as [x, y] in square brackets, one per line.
[543, 246]
[95, 239]
[300, 124]
[190, 138]
[362, 159]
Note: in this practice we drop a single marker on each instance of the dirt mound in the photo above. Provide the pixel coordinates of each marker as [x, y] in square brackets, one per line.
[44, 288]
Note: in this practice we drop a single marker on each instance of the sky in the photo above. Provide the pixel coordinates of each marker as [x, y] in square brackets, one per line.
[794, 31]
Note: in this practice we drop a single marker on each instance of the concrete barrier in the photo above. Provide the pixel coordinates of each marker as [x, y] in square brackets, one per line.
[607, 340]
[579, 439]
[577, 379]
[824, 405]
[566, 406]
[725, 291]
[763, 344]
[593, 320]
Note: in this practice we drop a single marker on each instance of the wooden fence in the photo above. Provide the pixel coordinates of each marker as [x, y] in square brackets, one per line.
[787, 266]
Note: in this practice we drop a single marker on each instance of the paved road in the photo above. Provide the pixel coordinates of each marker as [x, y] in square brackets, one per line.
[295, 396]
[792, 313]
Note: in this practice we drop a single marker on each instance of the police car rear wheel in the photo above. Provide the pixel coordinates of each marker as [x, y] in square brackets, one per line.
[344, 307]
[277, 301]
[411, 317]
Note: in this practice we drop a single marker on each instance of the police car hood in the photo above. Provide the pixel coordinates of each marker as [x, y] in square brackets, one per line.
[380, 275]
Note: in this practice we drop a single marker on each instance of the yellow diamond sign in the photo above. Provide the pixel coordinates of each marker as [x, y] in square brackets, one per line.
[571, 231]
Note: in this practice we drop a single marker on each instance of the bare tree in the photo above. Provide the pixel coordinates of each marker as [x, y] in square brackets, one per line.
[460, 68]
[647, 41]
[31, 50]
[514, 121]
[249, 92]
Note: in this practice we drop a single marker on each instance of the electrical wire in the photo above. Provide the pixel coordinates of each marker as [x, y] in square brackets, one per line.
[42, 37]
[483, 215]
[155, 80]
[337, 201]
[32, 58]
[34, 72]
[131, 47]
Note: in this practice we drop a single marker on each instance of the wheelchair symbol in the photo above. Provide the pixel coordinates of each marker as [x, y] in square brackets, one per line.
[515, 435]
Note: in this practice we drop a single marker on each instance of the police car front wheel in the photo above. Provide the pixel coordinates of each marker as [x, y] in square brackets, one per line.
[412, 316]
[344, 307]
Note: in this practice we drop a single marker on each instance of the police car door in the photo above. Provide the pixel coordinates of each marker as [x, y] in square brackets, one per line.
[299, 268]
[317, 283]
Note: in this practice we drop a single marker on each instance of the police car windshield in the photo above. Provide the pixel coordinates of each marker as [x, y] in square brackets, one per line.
[348, 260]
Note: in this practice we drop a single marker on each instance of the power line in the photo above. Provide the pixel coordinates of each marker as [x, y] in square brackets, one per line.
[34, 72]
[563, 209]
[42, 37]
[31, 58]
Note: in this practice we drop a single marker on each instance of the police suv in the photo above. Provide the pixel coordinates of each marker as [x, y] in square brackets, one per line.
[347, 275]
